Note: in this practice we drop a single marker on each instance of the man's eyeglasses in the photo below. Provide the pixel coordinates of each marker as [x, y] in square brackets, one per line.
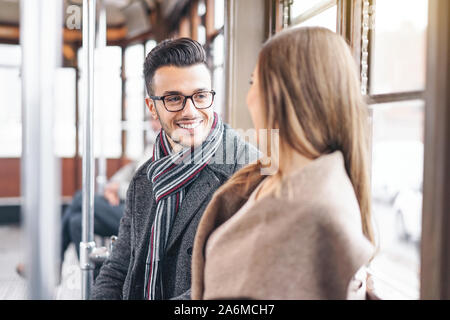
[177, 102]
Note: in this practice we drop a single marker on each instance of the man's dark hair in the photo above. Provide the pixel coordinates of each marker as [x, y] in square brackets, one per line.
[180, 52]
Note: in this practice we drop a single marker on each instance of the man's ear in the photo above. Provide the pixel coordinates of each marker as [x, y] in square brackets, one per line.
[152, 108]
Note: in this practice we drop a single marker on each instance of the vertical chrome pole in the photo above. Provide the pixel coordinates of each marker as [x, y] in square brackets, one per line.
[101, 46]
[41, 40]
[87, 241]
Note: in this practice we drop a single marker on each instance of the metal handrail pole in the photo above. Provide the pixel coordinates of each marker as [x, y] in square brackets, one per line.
[101, 46]
[87, 244]
[41, 42]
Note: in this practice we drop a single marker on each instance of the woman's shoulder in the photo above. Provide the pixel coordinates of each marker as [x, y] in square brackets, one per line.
[322, 183]
[320, 195]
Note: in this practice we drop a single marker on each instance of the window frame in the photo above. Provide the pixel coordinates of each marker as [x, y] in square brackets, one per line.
[313, 11]
[435, 246]
[369, 8]
[393, 96]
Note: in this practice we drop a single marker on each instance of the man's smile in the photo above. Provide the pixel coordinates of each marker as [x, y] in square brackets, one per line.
[189, 124]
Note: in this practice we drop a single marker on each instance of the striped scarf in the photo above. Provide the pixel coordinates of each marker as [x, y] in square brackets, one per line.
[170, 174]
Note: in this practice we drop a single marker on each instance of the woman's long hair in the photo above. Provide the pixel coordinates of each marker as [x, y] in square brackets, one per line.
[311, 93]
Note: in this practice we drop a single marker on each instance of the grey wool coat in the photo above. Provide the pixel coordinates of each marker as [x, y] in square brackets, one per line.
[122, 276]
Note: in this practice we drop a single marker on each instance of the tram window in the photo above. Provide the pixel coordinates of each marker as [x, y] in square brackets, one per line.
[218, 72]
[399, 51]
[326, 19]
[149, 45]
[107, 112]
[135, 105]
[397, 71]
[397, 174]
[318, 13]
[201, 7]
[64, 117]
[219, 14]
[201, 30]
[218, 53]
[10, 106]
[10, 102]
[299, 7]
[10, 55]
[201, 34]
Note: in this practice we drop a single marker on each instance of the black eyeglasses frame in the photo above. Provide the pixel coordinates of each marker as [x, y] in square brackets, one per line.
[162, 98]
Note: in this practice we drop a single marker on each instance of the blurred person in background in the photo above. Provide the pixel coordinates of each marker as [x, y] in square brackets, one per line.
[108, 207]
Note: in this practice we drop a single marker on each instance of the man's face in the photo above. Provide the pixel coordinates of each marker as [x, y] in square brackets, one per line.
[190, 126]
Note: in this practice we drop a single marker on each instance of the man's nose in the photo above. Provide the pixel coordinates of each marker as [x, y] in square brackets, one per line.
[189, 109]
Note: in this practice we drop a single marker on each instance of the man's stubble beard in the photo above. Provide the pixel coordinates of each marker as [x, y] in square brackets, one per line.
[176, 140]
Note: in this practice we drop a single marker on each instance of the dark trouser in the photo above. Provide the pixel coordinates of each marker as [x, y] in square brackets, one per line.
[106, 221]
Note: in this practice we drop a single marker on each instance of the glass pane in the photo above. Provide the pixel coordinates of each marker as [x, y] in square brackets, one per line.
[109, 59]
[218, 50]
[135, 103]
[10, 112]
[218, 73]
[134, 60]
[299, 7]
[65, 113]
[201, 8]
[219, 13]
[397, 173]
[10, 102]
[201, 34]
[149, 45]
[326, 19]
[399, 50]
[108, 106]
[10, 55]
[218, 78]
[108, 116]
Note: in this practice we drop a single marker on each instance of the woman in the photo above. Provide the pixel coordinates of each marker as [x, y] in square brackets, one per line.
[304, 232]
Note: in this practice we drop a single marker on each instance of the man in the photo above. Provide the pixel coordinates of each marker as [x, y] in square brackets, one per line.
[194, 154]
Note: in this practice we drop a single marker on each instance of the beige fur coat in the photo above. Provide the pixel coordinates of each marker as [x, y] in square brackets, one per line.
[304, 245]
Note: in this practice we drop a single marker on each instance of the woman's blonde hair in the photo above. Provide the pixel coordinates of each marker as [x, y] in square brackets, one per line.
[311, 93]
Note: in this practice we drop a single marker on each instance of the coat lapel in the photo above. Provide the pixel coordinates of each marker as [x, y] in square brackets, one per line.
[201, 189]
